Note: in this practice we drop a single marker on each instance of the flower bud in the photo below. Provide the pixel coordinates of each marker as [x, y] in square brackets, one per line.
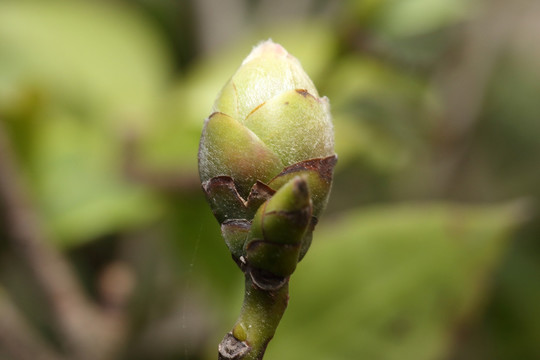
[269, 128]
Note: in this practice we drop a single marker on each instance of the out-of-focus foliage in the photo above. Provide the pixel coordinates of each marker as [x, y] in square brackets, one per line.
[367, 293]
[436, 112]
[382, 115]
[408, 18]
[71, 74]
[104, 61]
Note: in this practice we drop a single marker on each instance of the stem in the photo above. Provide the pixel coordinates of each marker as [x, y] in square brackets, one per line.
[260, 315]
[79, 321]
[17, 338]
[50, 269]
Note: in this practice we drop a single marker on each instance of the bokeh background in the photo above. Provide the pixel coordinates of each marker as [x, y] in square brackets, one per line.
[430, 246]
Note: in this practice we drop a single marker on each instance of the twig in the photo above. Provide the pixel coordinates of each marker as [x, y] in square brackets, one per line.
[462, 83]
[261, 313]
[86, 332]
[17, 338]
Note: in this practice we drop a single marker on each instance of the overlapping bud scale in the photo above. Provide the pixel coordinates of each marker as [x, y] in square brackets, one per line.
[266, 159]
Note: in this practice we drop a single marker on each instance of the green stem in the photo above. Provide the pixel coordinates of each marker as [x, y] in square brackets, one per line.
[260, 315]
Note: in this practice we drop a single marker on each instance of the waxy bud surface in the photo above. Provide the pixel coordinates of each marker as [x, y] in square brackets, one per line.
[268, 130]
[266, 160]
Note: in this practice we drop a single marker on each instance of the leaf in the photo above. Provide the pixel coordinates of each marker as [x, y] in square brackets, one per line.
[93, 57]
[381, 115]
[391, 282]
[414, 17]
[408, 18]
[80, 186]
[71, 75]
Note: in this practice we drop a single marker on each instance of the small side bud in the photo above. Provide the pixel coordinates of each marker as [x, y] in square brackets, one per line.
[277, 231]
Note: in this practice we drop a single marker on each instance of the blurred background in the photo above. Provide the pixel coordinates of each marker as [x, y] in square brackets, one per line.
[430, 246]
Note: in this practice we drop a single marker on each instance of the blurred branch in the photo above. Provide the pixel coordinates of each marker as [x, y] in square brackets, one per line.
[462, 81]
[80, 323]
[211, 16]
[17, 338]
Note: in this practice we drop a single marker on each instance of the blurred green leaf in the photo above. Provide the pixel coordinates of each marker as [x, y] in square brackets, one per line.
[512, 326]
[403, 18]
[412, 17]
[413, 32]
[95, 57]
[385, 113]
[79, 181]
[73, 76]
[512, 117]
[392, 283]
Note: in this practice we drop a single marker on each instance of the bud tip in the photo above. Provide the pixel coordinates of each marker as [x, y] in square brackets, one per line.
[266, 48]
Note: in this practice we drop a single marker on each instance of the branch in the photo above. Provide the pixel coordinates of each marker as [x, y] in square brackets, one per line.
[79, 322]
[462, 82]
[260, 316]
[17, 338]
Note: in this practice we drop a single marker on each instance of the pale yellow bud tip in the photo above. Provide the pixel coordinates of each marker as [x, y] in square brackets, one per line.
[267, 48]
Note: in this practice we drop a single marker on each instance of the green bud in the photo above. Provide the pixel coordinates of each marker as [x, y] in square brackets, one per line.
[269, 130]
[268, 117]
[278, 229]
[266, 159]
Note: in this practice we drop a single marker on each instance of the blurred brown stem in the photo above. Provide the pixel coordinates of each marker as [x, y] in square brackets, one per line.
[85, 330]
[17, 338]
[462, 81]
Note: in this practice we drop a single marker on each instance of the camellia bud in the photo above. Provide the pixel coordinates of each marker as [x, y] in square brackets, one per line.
[266, 159]
[268, 126]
